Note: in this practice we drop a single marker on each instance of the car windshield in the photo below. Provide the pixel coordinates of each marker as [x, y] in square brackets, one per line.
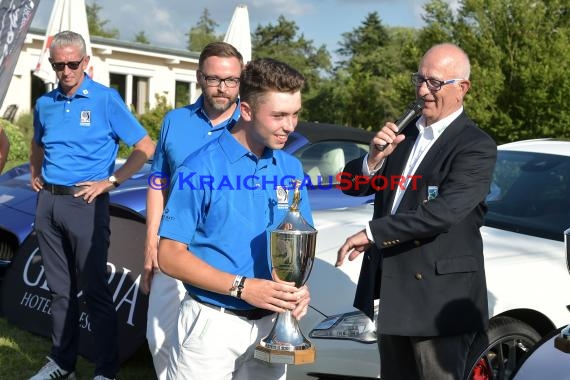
[323, 161]
[530, 194]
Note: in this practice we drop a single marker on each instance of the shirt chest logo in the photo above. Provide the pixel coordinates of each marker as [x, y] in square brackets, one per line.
[85, 119]
[282, 197]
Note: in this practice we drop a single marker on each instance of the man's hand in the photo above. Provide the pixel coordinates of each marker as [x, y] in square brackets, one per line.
[304, 298]
[275, 296]
[37, 183]
[353, 247]
[385, 136]
[150, 262]
[91, 189]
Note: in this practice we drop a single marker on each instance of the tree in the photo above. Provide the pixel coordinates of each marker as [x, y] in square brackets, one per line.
[365, 39]
[96, 25]
[372, 82]
[141, 37]
[519, 58]
[281, 42]
[203, 33]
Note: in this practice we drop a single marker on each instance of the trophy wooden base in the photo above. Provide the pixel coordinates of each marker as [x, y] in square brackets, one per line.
[562, 343]
[285, 357]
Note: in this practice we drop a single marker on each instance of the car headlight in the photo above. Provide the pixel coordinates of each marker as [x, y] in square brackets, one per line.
[353, 326]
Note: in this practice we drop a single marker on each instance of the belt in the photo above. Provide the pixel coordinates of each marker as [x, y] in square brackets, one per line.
[60, 189]
[250, 314]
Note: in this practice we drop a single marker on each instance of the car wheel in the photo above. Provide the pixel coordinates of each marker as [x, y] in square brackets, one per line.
[496, 353]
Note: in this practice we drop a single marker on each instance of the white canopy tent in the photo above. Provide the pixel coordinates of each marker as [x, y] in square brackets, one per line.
[65, 15]
[238, 33]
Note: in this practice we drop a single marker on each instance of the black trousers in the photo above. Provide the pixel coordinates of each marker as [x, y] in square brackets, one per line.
[424, 358]
[73, 238]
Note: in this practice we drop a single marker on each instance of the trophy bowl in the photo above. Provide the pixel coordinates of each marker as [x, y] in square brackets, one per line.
[292, 248]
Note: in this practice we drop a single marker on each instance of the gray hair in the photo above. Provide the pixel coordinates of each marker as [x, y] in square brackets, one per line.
[68, 38]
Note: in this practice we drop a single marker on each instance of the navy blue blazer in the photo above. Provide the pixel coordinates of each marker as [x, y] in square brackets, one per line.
[426, 264]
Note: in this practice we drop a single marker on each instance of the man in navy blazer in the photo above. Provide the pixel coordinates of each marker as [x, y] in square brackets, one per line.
[423, 248]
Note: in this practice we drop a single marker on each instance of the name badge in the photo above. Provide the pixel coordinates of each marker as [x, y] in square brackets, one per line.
[85, 118]
[433, 191]
[282, 195]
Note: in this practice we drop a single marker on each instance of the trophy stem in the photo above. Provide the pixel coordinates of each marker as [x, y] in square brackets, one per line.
[286, 335]
[285, 343]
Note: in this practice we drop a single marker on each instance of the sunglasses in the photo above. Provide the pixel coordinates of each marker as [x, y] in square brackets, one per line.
[60, 66]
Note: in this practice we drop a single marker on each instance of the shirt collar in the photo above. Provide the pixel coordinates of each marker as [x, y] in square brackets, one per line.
[198, 107]
[83, 90]
[235, 151]
[433, 131]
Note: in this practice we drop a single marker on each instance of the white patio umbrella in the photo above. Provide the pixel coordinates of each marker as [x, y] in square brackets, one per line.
[65, 15]
[238, 33]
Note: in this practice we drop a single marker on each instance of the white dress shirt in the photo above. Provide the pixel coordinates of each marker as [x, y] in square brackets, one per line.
[426, 138]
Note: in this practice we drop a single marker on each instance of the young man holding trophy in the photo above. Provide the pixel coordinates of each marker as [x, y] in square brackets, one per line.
[225, 200]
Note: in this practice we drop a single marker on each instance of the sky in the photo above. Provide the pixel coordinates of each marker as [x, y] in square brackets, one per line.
[165, 22]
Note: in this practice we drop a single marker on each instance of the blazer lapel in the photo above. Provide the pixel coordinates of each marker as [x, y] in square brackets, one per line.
[441, 146]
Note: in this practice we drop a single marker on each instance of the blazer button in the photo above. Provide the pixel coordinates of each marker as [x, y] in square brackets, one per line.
[418, 276]
[417, 243]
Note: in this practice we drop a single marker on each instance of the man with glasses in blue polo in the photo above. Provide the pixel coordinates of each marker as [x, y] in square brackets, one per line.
[77, 128]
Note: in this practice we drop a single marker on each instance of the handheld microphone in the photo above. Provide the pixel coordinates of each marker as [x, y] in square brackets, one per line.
[414, 110]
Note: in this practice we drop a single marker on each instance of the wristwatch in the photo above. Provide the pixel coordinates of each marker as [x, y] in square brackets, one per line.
[114, 181]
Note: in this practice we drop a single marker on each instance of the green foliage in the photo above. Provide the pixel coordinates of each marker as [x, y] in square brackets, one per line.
[281, 42]
[440, 25]
[151, 120]
[96, 25]
[372, 82]
[203, 33]
[519, 67]
[25, 123]
[19, 147]
[366, 39]
[141, 37]
[518, 50]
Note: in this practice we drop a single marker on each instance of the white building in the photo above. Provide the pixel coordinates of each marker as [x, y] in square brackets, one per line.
[138, 71]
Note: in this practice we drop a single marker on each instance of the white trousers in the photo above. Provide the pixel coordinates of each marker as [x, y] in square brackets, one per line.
[214, 345]
[166, 293]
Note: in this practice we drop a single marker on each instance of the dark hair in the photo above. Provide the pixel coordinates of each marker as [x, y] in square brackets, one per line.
[219, 49]
[265, 74]
[68, 38]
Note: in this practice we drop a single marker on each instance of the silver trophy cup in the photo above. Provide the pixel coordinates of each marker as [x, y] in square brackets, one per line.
[292, 255]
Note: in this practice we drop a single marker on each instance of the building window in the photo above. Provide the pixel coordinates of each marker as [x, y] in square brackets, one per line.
[140, 94]
[182, 94]
[133, 89]
[38, 89]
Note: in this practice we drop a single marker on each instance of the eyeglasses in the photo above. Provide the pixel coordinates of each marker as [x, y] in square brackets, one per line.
[432, 83]
[215, 81]
[60, 66]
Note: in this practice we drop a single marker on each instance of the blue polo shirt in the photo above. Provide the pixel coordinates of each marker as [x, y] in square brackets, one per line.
[224, 203]
[183, 131]
[80, 134]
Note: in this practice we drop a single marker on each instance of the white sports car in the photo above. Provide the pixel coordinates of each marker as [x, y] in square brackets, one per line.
[525, 263]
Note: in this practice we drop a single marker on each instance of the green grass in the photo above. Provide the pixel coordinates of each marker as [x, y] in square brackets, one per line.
[23, 353]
